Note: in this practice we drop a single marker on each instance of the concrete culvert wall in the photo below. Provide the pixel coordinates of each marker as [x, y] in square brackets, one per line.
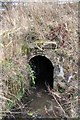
[43, 71]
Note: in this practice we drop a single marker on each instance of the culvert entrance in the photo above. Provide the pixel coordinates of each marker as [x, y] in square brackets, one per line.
[43, 71]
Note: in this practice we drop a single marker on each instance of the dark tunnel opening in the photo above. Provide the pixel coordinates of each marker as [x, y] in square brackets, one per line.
[43, 71]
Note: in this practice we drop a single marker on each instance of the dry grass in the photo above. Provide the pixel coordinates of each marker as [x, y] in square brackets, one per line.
[18, 25]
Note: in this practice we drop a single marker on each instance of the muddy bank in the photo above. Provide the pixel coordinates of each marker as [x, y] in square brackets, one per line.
[35, 104]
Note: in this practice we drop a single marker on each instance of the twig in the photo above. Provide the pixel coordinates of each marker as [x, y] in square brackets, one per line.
[53, 95]
[4, 98]
[16, 98]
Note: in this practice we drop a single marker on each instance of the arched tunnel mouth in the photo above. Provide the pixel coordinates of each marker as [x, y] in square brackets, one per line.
[43, 70]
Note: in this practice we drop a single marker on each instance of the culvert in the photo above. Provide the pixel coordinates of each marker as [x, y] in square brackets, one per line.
[43, 71]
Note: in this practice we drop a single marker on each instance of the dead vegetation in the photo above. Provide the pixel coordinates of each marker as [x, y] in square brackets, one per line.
[24, 23]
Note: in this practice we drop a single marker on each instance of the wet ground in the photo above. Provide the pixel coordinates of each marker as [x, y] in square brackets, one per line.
[38, 104]
[41, 104]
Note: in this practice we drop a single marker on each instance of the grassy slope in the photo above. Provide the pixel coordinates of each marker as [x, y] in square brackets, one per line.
[35, 18]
